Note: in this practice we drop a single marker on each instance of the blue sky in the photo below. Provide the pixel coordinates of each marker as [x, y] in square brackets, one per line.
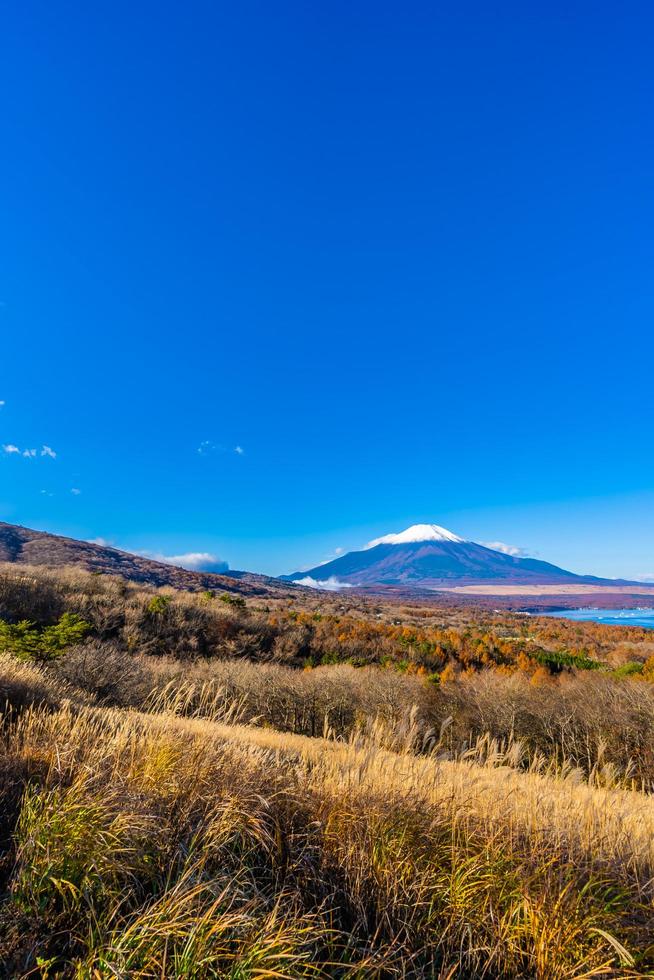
[400, 255]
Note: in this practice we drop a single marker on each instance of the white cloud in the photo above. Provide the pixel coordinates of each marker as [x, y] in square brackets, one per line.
[2, 403]
[197, 561]
[336, 553]
[507, 549]
[29, 453]
[75, 491]
[207, 447]
[194, 561]
[331, 584]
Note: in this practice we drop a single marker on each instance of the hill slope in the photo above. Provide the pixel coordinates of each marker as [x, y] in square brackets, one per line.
[427, 555]
[22, 545]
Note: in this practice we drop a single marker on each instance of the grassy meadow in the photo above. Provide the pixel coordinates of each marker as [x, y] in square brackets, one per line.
[186, 795]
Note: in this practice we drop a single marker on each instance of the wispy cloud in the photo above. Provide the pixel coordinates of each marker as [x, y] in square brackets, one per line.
[2, 403]
[336, 553]
[207, 447]
[75, 491]
[331, 584]
[29, 453]
[507, 549]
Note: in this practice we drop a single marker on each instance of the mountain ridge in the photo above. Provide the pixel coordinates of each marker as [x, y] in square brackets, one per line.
[25, 546]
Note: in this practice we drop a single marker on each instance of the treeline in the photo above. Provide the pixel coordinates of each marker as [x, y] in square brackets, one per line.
[42, 611]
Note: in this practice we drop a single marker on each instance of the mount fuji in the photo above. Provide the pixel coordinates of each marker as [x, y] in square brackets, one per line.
[430, 556]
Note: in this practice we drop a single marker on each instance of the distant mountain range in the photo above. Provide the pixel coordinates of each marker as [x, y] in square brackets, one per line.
[421, 558]
[24, 546]
[428, 556]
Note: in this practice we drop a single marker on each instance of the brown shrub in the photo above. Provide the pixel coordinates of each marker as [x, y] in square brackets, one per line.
[588, 719]
[105, 672]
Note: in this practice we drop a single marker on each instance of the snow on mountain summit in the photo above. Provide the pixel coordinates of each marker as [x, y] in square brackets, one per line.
[415, 533]
[427, 557]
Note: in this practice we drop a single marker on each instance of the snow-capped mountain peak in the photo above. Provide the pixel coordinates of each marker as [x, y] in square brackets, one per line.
[416, 533]
[426, 556]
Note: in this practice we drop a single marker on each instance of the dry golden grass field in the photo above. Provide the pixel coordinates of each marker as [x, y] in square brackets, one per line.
[195, 788]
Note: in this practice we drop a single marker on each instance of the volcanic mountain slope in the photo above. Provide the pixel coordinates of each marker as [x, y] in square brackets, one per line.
[24, 546]
[429, 556]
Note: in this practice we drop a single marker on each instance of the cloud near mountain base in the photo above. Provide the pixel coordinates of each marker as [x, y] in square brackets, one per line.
[331, 584]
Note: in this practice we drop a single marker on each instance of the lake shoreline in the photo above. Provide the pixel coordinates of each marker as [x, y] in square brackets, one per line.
[639, 617]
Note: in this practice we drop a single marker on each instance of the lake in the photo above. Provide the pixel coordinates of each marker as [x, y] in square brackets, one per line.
[611, 617]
